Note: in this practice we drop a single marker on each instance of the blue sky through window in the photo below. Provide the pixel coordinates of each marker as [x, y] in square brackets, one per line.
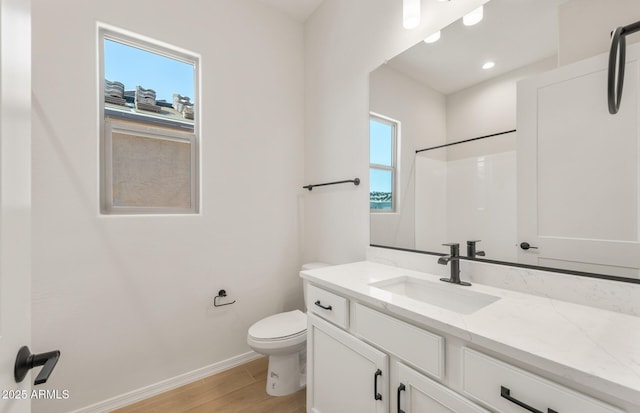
[380, 180]
[381, 145]
[136, 67]
[381, 153]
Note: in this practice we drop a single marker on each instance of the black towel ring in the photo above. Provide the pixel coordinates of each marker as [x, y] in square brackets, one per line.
[617, 60]
[615, 81]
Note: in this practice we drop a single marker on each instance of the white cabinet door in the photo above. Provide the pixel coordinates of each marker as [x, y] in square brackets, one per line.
[578, 180]
[343, 373]
[418, 394]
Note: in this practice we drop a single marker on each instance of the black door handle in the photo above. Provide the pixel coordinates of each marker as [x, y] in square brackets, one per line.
[506, 393]
[25, 361]
[327, 307]
[525, 246]
[377, 395]
[401, 388]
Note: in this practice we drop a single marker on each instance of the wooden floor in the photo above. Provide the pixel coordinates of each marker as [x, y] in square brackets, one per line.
[239, 390]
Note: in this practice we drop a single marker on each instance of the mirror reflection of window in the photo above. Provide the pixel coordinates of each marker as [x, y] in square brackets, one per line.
[382, 163]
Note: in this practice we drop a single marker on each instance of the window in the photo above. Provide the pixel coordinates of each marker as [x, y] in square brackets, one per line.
[382, 163]
[149, 126]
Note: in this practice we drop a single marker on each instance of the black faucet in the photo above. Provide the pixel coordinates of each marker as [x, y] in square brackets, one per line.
[471, 249]
[454, 258]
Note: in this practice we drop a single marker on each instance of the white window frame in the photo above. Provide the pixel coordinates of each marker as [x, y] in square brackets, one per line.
[107, 126]
[144, 131]
[394, 161]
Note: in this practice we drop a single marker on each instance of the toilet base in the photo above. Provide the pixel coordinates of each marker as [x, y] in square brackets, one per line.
[286, 373]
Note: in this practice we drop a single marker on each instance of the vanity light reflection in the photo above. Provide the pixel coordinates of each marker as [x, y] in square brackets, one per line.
[410, 13]
[473, 17]
[433, 38]
[489, 65]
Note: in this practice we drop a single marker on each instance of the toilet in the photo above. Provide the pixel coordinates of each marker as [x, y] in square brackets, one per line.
[283, 337]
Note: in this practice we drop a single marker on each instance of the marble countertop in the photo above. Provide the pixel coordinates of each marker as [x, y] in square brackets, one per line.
[597, 348]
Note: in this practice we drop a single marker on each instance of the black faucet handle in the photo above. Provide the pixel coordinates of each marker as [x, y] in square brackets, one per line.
[471, 249]
[454, 248]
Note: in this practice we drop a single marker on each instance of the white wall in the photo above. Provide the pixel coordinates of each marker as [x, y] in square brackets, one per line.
[344, 41]
[128, 299]
[421, 113]
[486, 108]
[585, 26]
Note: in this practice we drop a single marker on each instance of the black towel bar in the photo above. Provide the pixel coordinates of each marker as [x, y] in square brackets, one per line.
[355, 181]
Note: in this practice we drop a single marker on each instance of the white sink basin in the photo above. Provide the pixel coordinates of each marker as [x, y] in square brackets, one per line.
[448, 296]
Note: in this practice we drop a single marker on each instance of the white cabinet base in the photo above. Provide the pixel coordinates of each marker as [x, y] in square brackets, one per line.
[342, 372]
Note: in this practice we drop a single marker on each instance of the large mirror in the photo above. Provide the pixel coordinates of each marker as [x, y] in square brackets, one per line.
[444, 142]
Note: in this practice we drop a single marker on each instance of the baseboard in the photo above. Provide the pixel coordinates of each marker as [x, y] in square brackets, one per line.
[169, 384]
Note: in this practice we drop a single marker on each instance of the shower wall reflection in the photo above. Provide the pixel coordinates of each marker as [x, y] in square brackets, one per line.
[468, 192]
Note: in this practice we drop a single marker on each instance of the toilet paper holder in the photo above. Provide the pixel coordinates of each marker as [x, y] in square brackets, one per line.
[221, 294]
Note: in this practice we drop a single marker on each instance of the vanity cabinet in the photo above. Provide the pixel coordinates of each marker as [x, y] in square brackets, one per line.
[364, 360]
[344, 374]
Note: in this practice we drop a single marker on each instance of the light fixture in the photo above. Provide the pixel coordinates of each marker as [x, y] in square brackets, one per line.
[473, 17]
[433, 38]
[488, 65]
[410, 13]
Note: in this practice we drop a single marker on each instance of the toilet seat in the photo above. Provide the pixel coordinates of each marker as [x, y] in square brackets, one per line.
[280, 327]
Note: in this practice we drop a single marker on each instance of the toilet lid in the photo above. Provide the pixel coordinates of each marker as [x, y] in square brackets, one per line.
[279, 325]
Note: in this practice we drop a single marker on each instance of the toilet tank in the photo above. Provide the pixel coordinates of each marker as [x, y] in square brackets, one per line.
[310, 266]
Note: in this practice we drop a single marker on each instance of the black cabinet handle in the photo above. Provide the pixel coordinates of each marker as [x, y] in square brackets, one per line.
[401, 388]
[25, 361]
[506, 393]
[377, 395]
[328, 307]
[525, 246]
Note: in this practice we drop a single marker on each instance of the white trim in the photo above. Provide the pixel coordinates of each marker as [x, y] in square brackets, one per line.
[108, 31]
[150, 44]
[112, 126]
[169, 384]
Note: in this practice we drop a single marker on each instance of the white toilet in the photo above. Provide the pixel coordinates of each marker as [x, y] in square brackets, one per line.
[283, 337]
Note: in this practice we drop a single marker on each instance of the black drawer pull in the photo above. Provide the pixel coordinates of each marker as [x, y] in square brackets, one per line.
[327, 307]
[506, 393]
[401, 388]
[377, 395]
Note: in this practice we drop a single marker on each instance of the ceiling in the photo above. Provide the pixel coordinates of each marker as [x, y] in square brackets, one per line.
[300, 10]
[513, 33]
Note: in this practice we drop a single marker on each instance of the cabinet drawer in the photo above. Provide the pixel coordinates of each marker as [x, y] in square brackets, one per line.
[418, 347]
[493, 382]
[328, 305]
